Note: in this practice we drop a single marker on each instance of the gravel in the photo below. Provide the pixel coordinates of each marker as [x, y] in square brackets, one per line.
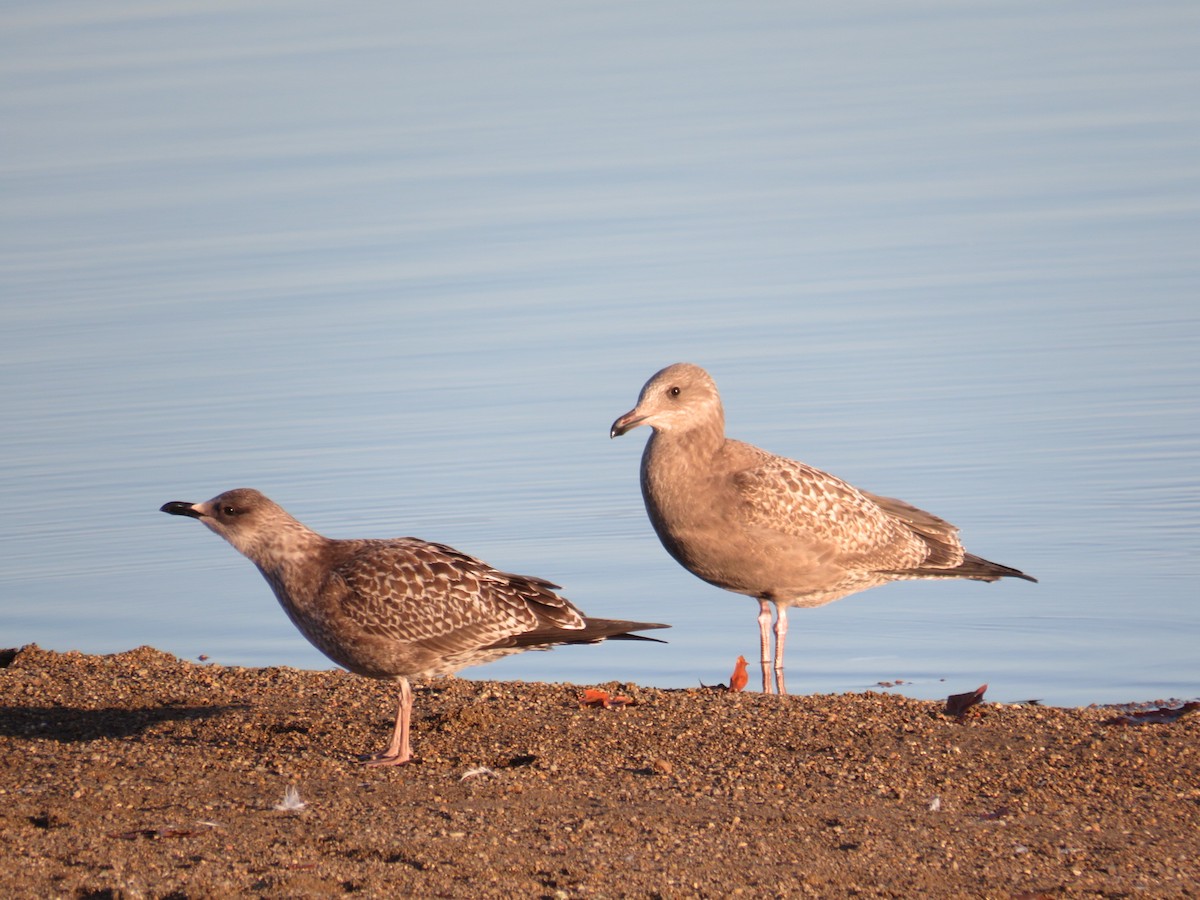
[143, 775]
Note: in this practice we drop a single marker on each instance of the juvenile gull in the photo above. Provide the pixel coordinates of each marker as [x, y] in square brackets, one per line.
[772, 528]
[400, 608]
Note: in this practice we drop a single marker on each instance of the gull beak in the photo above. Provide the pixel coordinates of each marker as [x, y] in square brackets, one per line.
[182, 508]
[625, 423]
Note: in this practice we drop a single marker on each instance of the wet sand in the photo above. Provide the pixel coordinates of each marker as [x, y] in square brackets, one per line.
[142, 775]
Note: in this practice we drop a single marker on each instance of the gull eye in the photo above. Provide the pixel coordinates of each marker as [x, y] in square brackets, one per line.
[674, 392]
[230, 511]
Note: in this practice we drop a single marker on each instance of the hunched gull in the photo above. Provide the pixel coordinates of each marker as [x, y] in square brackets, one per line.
[400, 608]
[772, 528]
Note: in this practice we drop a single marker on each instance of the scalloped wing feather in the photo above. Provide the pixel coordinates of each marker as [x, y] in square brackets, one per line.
[415, 591]
[798, 500]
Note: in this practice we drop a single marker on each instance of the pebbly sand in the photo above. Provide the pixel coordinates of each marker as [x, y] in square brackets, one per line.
[142, 775]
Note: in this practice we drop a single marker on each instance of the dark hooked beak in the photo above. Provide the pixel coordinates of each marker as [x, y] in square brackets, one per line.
[625, 423]
[181, 508]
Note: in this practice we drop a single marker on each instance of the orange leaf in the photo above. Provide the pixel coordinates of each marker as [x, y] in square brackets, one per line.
[596, 697]
[737, 681]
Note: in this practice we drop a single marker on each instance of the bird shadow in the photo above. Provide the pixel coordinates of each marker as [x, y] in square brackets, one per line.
[68, 725]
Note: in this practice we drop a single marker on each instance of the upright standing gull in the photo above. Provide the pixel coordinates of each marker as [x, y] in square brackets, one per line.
[399, 608]
[770, 527]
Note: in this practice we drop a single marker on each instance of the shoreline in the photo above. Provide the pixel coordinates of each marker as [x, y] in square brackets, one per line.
[140, 774]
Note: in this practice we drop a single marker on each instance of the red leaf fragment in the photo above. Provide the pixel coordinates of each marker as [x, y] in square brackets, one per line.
[593, 697]
[958, 704]
[1164, 715]
[737, 681]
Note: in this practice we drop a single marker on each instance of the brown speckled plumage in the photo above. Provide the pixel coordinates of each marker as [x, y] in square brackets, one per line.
[770, 527]
[399, 608]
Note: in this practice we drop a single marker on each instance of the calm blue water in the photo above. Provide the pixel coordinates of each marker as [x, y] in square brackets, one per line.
[400, 267]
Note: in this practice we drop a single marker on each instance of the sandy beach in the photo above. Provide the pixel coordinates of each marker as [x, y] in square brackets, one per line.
[143, 775]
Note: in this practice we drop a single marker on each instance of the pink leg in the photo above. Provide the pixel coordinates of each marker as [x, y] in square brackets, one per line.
[399, 751]
[780, 638]
[764, 626]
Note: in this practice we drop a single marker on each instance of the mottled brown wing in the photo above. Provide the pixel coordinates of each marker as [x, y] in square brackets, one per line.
[418, 592]
[795, 499]
[945, 550]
